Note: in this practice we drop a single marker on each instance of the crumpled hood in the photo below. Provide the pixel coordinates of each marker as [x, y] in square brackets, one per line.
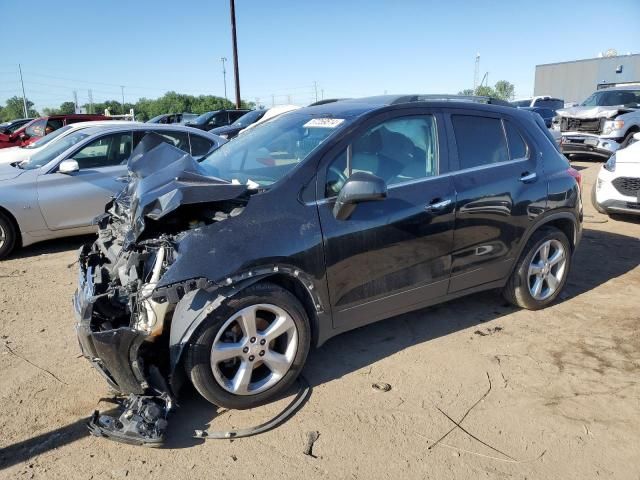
[7, 172]
[592, 112]
[163, 178]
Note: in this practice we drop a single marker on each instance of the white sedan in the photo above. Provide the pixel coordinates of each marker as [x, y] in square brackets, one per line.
[617, 189]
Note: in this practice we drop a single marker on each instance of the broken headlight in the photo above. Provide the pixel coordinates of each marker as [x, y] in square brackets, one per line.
[612, 125]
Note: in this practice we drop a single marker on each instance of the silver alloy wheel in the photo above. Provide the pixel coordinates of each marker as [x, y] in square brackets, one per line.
[547, 269]
[266, 353]
[3, 236]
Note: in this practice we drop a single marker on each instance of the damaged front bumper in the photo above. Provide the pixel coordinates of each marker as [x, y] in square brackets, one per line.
[580, 143]
[112, 352]
[116, 355]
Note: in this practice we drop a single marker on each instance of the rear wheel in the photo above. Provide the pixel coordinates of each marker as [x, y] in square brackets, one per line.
[8, 236]
[250, 349]
[542, 270]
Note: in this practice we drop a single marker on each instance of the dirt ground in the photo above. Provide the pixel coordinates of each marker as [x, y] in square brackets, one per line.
[563, 386]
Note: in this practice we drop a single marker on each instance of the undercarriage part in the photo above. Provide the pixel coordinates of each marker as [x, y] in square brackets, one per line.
[280, 418]
[142, 421]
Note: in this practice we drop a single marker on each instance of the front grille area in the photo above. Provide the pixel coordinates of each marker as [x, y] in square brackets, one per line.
[629, 186]
[591, 125]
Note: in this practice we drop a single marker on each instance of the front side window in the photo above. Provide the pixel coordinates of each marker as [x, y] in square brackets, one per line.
[480, 140]
[397, 150]
[106, 151]
[52, 125]
[268, 152]
[177, 139]
[36, 129]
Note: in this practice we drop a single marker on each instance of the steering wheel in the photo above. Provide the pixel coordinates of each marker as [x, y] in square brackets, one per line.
[342, 179]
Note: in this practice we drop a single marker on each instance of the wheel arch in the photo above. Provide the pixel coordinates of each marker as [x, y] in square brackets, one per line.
[11, 217]
[194, 307]
[563, 221]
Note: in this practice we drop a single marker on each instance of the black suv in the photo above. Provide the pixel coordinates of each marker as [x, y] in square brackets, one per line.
[319, 221]
[216, 118]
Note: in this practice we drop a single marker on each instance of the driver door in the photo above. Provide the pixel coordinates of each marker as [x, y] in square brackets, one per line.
[393, 255]
[73, 200]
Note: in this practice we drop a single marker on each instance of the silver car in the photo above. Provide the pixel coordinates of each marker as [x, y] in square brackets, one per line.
[59, 190]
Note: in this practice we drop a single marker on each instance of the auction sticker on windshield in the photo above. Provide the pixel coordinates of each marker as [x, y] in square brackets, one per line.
[323, 123]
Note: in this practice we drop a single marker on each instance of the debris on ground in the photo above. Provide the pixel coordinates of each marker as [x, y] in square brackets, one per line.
[381, 386]
[488, 331]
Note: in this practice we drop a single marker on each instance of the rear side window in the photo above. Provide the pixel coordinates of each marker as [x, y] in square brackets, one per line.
[517, 146]
[480, 140]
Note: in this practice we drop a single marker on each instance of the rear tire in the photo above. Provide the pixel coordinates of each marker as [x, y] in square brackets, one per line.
[216, 335]
[531, 290]
[8, 236]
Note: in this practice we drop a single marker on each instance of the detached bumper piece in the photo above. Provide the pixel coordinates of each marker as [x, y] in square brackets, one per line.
[142, 421]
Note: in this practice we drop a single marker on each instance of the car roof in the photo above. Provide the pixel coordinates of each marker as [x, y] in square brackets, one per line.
[620, 87]
[355, 107]
[136, 126]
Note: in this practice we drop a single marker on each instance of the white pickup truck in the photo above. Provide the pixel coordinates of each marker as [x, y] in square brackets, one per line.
[602, 124]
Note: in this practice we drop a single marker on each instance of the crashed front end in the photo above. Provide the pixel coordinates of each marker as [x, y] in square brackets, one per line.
[123, 325]
[591, 130]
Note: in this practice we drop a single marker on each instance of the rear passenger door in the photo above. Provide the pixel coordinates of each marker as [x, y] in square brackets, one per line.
[500, 188]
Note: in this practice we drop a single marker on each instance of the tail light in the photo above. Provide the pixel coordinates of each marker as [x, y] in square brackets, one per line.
[577, 175]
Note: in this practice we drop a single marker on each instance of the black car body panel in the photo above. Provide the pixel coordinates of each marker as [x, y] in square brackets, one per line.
[431, 239]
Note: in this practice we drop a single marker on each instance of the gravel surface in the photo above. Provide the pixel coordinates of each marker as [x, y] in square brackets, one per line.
[559, 389]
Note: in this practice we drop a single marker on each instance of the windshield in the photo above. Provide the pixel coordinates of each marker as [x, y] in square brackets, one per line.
[202, 119]
[47, 138]
[156, 118]
[268, 152]
[51, 151]
[611, 98]
[249, 118]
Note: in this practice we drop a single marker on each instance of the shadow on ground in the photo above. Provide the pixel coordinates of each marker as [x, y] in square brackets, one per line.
[51, 246]
[601, 257]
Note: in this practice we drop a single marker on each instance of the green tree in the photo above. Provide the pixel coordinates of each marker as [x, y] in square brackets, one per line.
[504, 90]
[67, 108]
[14, 109]
[485, 91]
[467, 92]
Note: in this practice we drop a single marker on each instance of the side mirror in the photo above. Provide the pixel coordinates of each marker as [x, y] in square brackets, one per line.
[68, 166]
[360, 187]
[24, 136]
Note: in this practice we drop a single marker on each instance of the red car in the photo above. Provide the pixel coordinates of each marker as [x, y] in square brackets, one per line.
[42, 126]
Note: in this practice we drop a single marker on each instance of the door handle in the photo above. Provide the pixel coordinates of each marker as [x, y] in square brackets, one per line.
[528, 177]
[437, 205]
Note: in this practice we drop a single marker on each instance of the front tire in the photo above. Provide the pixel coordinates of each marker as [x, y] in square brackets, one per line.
[8, 236]
[541, 272]
[250, 349]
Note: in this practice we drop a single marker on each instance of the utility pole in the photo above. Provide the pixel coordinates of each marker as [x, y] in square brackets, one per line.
[24, 97]
[90, 101]
[224, 76]
[315, 87]
[122, 90]
[235, 51]
[75, 101]
[476, 73]
[322, 94]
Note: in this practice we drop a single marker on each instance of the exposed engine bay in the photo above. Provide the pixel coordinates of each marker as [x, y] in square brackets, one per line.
[122, 327]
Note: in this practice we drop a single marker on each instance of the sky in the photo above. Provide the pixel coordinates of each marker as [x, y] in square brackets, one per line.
[287, 48]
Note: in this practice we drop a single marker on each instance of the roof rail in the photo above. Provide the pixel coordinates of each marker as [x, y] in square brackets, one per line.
[451, 98]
